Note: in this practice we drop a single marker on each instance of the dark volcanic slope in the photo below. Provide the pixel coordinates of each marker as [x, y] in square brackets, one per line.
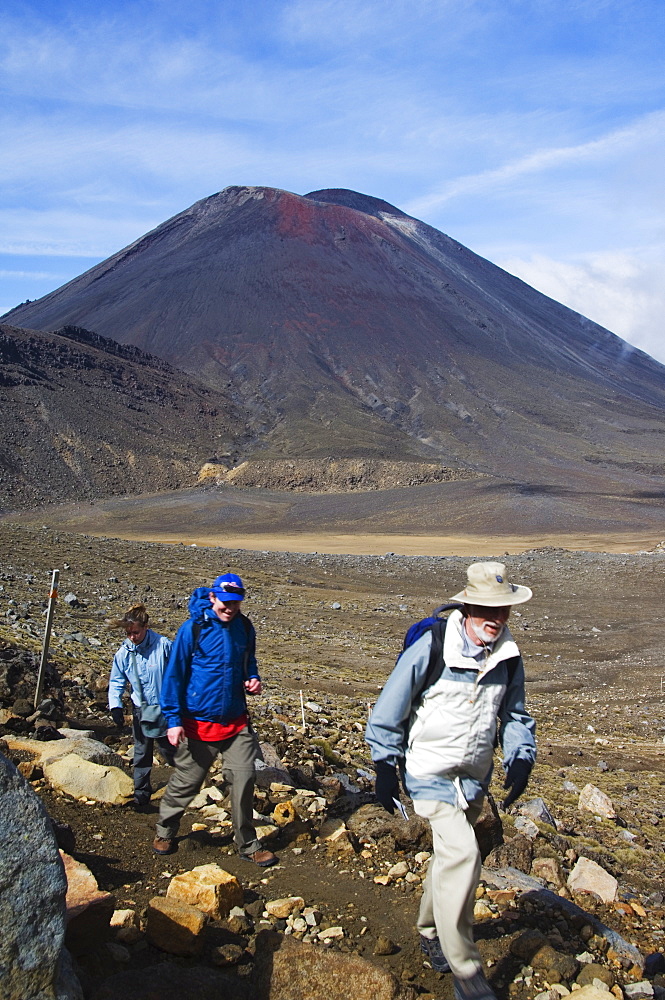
[345, 327]
[84, 416]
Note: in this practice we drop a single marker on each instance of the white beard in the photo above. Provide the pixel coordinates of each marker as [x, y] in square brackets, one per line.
[484, 636]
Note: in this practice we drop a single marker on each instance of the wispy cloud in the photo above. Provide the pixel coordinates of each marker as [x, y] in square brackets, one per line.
[615, 143]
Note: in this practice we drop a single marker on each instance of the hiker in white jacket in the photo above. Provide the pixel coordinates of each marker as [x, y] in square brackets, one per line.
[441, 739]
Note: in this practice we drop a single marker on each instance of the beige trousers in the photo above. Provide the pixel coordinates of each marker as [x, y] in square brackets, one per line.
[446, 909]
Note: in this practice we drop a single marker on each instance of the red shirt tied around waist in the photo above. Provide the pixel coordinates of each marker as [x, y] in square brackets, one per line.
[214, 732]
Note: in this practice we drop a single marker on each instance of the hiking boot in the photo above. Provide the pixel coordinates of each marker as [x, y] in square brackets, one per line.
[262, 858]
[140, 806]
[475, 988]
[161, 845]
[431, 949]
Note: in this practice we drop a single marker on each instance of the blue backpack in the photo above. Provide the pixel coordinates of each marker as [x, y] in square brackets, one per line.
[437, 626]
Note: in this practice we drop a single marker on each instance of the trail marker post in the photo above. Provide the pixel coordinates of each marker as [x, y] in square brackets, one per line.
[52, 598]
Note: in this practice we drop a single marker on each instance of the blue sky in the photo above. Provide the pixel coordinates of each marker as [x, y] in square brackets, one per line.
[533, 131]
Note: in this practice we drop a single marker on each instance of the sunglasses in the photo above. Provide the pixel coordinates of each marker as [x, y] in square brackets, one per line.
[230, 588]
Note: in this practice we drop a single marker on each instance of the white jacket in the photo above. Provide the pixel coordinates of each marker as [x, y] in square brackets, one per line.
[446, 739]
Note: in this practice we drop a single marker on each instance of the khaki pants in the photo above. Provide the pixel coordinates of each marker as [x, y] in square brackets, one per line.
[192, 762]
[446, 909]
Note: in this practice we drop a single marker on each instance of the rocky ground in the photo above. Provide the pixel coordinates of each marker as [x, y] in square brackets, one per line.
[330, 626]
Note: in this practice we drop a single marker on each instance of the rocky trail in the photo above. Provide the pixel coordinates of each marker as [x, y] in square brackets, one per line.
[350, 876]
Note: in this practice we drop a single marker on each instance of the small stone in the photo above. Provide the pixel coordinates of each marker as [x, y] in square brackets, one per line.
[227, 954]
[481, 910]
[587, 876]
[536, 810]
[384, 946]
[282, 908]
[639, 991]
[593, 800]
[382, 879]
[526, 827]
[557, 966]
[398, 870]
[549, 870]
[118, 951]
[422, 856]
[593, 972]
[331, 933]
[123, 918]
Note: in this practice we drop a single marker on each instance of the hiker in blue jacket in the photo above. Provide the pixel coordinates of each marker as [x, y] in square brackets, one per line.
[211, 670]
[140, 662]
[441, 738]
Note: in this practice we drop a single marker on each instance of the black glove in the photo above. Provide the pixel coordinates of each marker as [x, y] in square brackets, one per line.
[517, 777]
[387, 784]
[118, 717]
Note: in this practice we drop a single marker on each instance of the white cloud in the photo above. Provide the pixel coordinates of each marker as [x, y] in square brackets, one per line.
[622, 291]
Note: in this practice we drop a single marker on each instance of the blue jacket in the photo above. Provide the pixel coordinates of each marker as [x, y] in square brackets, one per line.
[150, 657]
[207, 682]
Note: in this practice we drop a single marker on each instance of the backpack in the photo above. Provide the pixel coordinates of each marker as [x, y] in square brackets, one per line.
[437, 626]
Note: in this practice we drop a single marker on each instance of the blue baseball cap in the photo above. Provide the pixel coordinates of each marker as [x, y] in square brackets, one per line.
[228, 587]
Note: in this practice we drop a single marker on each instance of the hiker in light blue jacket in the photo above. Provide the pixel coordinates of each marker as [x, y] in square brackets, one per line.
[139, 662]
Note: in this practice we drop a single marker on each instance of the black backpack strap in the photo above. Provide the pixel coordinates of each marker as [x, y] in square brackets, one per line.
[511, 666]
[435, 664]
[248, 648]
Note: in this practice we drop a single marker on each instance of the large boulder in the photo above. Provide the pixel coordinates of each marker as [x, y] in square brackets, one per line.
[168, 981]
[33, 962]
[86, 749]
[287, 969]
[84, 780]
[89, 910]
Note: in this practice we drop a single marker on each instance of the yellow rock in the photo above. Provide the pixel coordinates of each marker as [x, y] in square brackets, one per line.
[284, 813]
[209, 888]
[174, 926]
[481, 911]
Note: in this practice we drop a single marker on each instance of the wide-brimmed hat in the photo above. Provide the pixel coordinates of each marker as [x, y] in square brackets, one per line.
[487, 586]
[228, 587]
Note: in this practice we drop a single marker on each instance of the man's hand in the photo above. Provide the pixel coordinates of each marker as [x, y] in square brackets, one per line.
[118, 717]
[517, 777]
[175, 735]
[387, 784]
[253, 686]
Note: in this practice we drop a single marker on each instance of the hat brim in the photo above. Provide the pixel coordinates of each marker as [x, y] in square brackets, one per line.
[226, 595]
[517, 596]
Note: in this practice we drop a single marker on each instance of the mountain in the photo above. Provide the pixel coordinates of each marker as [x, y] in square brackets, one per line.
[83, 417]
[337, 325]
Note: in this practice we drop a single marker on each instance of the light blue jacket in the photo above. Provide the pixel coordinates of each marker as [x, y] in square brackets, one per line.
[149, 658]
[444, 742]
